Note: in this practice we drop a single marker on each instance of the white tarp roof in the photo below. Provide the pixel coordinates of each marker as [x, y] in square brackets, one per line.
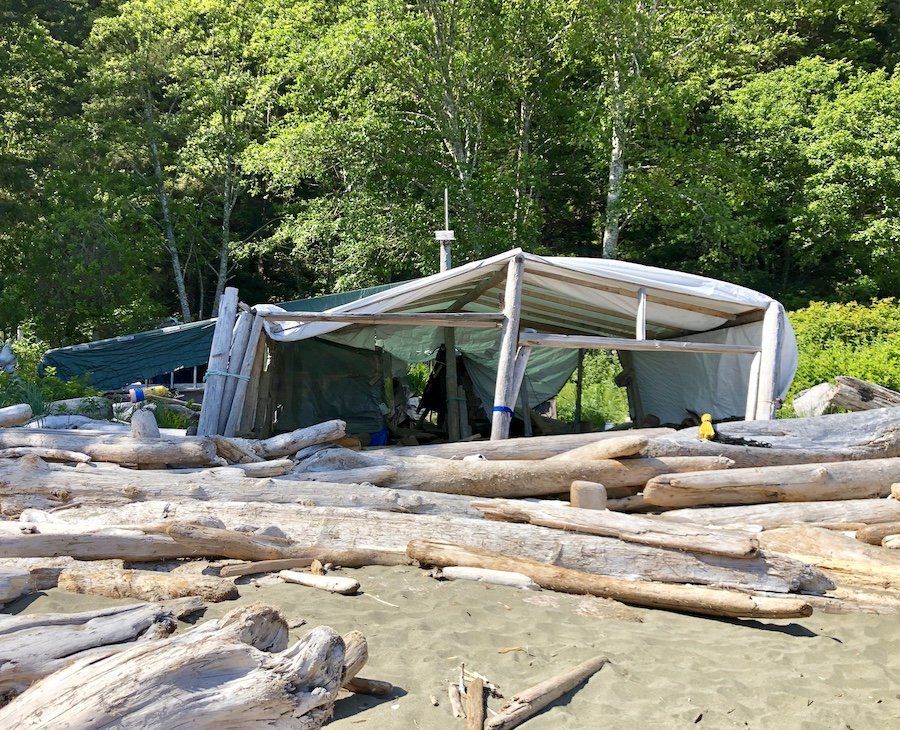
[587, 296]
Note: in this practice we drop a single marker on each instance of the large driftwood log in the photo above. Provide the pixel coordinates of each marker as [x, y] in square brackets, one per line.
[866, 434]
[185, 451]
[388, 533]
[781, 514]
[34, 646]
[523, 478]
[32, 483]
[749, 456]
[13, 583]
[146, 585]
[614, 448]
[15, 415]
[846, 559]
[859, 395]
[43, 573]
[290, 443]
[45, 454]
[631, 528]
[218, 675]
[800, 483]
[695, 599]
[535, 447]
[874, 534]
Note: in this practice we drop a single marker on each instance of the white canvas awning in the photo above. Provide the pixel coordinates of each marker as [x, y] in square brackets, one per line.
[578, 297]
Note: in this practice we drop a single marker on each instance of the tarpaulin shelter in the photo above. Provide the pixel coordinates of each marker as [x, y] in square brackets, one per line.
[687, 342]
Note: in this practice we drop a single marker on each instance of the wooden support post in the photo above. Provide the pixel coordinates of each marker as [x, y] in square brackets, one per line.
[579, 388]
[239, 343]
[752, 389]
[769, 364]
[640, 328]
[218, 362]
[247, 365]
[509, 339]
[451, 376]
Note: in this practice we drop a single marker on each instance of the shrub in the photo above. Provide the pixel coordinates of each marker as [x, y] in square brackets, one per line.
[602, 401]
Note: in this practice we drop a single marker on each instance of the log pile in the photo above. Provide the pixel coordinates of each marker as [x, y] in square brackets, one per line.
[748, 525]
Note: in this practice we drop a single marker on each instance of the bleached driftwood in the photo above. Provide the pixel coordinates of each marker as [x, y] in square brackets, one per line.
[485, 575]
[535, 447]
[46, 454]
[146, 585]
[386, 535]
[33, 483]
[31, 647]
[781, 514]
[859, 395]
[631, 528]
[221, 674]
[143, 425]
[186, 450]
[290, 443]
[330, 583]
[524, 705]
[750, 456]
[846, 559]
[235, 450]
[892, 542]
[523, 478]
[15, 415]
[43, 573]
[865, 434]
[801, 483]
[875, 534]
[695, 599]
[588, 495]
[813, 401]
[13, 583]
[612, 448]
[264, 566]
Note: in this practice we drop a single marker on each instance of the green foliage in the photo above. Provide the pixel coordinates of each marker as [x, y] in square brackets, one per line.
[858, 340]
[602, 401]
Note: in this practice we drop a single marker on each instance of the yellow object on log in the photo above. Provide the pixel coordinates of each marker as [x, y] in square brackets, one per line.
[707, 432]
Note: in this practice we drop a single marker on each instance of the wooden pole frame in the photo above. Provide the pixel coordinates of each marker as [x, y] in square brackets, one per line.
[770, 362]
[218, 362]
[752, 389]
[504, 398]
[619, 343]
[640, 328]
[475, 320]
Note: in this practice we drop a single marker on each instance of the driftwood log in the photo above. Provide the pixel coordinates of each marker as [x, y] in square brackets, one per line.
[782, 514]
[386, 535]
[695, 599]
[535, 447]
[13, 583]
[290, 443]
[147, 585]
[31, 482]
[874, 534]
[612, 448]
[846, 559]
[46, 454]
[631, 528]
[31, 647]
[522, 478]
[800, 483]
[15, 415]
[221, 674]
[185, 451]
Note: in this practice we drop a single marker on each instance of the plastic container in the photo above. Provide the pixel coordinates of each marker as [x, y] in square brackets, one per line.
[136, 395]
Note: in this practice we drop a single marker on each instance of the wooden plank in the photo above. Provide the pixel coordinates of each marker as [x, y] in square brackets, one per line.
[770, 362]
[475, 320]
[617, 343]
[245, 373]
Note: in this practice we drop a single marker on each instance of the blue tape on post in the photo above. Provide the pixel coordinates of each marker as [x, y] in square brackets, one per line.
[503, 409]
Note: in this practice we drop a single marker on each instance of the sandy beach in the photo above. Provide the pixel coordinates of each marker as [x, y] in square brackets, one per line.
[666, 670]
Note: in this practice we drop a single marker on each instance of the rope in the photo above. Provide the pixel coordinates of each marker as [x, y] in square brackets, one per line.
[225, 375]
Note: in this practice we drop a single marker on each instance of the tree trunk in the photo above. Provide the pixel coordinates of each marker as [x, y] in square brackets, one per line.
[386, 534]
[801, 483]
[518, 478]
[631, 528]
[858, 395]
[220, 675]
[616, 173]
[31, 647]
[168, 225]
[695, 599]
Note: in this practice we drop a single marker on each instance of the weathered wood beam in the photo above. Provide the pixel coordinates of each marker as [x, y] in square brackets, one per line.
[620, 343]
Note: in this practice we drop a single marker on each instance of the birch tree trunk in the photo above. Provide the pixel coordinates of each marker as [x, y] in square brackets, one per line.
[616, 172]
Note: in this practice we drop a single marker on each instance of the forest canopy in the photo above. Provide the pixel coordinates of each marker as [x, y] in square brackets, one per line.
[153, 151]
